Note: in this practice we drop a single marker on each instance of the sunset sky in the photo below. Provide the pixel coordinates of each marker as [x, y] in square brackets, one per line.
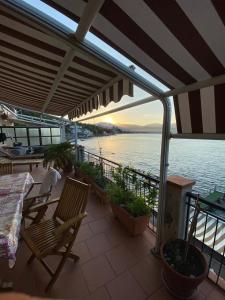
[141, 115]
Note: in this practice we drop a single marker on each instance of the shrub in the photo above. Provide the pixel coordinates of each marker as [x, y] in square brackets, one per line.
[120, 194]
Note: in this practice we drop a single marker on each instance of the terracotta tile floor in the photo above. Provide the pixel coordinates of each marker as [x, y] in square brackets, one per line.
[112, 264]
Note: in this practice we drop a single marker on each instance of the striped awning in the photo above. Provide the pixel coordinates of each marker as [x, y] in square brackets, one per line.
[201, 111]
[178, 42]
[42, 73]
[113, 93]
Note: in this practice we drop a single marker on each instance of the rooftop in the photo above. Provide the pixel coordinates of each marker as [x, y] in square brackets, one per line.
[112, 264]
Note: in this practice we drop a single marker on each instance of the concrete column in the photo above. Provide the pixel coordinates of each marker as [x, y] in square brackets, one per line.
[175, 210]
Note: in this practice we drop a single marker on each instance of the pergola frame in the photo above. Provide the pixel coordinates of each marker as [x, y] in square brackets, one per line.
[78, 43]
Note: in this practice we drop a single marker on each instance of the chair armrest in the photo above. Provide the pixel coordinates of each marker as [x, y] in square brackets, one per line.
[38, 206]
[67, 225]
[38, 196]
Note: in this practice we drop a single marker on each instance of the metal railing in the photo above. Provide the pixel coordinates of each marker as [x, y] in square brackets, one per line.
[135, 180]
[209, 235]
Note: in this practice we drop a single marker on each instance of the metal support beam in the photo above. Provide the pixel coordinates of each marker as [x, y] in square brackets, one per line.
[63, 68]
[134, 104]
[34, 111]
[195, 86]
[199, 136]
[164, 163]
[90, 12]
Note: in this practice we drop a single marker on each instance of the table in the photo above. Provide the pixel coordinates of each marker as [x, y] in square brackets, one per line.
[22, 161]
[13, 188]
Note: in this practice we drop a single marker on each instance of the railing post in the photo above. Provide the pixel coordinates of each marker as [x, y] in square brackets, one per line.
[176, 208]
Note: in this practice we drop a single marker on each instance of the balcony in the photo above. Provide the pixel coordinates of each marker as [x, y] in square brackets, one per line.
[112, 264]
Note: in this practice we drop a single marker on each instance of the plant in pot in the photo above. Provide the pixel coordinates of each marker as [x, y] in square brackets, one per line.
[184, 266]
[62, 155]
[93, 174]
[133, 211]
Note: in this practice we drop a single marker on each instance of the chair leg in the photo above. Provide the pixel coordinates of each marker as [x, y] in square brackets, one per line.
[56, 274]
[30, 260]
[73, 256]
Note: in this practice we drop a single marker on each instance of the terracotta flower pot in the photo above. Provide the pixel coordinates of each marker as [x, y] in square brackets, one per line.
[179, 285]
[133, 225]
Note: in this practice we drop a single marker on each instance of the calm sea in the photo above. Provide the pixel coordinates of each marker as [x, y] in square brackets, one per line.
[201, 160]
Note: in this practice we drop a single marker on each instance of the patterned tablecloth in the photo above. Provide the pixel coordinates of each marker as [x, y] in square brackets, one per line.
[13, 188]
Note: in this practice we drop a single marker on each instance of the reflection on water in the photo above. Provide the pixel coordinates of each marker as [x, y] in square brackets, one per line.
[201, 160]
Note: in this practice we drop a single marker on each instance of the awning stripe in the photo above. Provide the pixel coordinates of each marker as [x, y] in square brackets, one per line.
[31, 62]
[95, 67]
[33, 90]
[22, 67]
[171, 15]
[206, 29]
[33, 54]
[21, 82]
[220, 107]
[185, 115]
[21, 78]
[31, 40]
[177, 113]
[22, 74]
[195, 111]
[219, 6]
[74, 87]
[147, 32]
[129, 28]
[201, 111]
[27, 63]
[86, 75]
[208, 109]
[70, 82]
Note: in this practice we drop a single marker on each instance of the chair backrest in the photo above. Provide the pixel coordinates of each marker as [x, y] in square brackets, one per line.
[6, 169]
[73, 199]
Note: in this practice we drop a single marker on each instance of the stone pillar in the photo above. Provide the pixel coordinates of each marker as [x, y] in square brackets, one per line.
[175, 210]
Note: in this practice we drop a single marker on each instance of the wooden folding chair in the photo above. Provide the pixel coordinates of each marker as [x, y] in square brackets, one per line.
[6, 169]
[57, 235]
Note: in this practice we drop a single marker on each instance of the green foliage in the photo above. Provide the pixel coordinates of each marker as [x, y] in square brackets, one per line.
[138, 207]
[120, 194]
[94, 171]
[62, 155]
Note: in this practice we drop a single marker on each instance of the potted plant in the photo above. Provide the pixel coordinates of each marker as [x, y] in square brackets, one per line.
[62, 155]
[93, 174]
[184, 266]
[133, 211]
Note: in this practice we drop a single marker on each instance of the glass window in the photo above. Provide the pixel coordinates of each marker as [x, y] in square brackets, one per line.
[21, 132]
[23, 141]
[45, 132]
[34, 141]
[33, 132]
[55, 131]
[56, 139]
[9, 132]
[46, 140]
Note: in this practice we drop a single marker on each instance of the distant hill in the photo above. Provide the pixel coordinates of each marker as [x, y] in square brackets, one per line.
[152, 128]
